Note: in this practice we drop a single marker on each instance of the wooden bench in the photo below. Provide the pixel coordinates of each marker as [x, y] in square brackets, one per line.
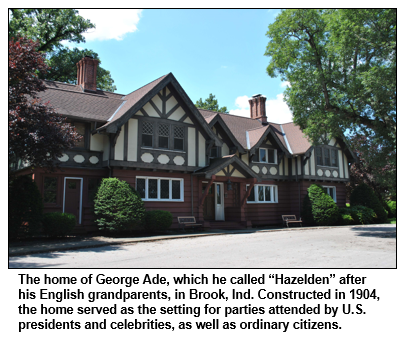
[188, 221]
[290, 219]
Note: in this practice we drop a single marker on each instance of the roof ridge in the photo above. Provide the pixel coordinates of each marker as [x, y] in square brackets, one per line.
[147, 84]
[257, 127]
[75, 85]
[85, 93]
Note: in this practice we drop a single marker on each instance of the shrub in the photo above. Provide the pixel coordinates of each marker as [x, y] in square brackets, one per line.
[307, 214]
[391, 207]
[158, 220]
[364, 195]
[362, 215]
[58, 224]
[345, 217]
[25, 208]
[323, 208]
[118, 206]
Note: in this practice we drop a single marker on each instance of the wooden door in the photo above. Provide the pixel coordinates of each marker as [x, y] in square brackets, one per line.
[208, 206]
[72, 198]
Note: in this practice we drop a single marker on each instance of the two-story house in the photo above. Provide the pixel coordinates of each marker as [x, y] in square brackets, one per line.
[227, 171]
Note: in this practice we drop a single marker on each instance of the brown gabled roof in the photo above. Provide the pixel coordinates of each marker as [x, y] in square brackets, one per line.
[71, 101]
[298, 141]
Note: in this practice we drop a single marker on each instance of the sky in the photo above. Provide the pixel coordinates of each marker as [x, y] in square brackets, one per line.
[218, 51]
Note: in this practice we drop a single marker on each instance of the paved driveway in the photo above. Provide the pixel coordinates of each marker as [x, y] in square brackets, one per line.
[343, 247]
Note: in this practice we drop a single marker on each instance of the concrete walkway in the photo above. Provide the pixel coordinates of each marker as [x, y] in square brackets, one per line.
[82, 242]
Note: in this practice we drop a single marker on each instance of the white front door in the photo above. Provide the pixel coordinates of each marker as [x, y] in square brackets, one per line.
[219, 201]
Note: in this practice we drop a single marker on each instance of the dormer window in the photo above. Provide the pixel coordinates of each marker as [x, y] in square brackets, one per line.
[163, 136]
[265, 155]
[178, 138]
[147, 133]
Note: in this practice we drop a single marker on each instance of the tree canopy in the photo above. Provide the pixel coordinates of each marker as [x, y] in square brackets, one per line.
[341, 66]
[210, 104]
[50, 27]
[36, 134]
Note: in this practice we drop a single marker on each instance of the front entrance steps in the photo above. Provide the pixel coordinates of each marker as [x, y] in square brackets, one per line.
[226, 225]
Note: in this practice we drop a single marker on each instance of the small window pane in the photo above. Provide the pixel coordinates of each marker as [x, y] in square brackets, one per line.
[50, 189]
[146, 140]
[165, 189]
[141, 187]
[71, 185]
[271, 156]
[334, 155]
[178, 144]
[326, 157]
[256, 156]
[50, 183]
[275, 194]
[262, 155]
[152, 188]
[81, 130]
[261, 193]
[176, 190]
[268, 193]
[218, 194]
[319, 156]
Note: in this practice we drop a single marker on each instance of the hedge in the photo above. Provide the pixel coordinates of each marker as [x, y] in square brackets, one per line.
[158, 220]
[364, 195]
[25, 208]
[58, 224]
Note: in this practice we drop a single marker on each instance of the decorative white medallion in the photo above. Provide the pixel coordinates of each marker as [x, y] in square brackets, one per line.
[79, 158]
[147, 157]
[255, 169]
[63, 158]
[327, 173]
[335, 173]
[93, 159]
[320, 172]
[273, 171]
[163, 159]
[264, 170]
[179, 160]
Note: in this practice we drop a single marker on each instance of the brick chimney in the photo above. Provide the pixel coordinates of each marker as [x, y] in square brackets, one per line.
[87, 69]
[257, 108]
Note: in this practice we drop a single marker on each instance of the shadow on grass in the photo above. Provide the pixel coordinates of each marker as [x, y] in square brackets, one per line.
[377, 232]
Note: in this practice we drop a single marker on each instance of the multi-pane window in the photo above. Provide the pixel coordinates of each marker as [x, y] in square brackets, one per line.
[178, 138]
[147, 134]
[215, 152]
[160, 188]
[263, 193]
[50, 189]
[331, 191]
[265, 155]
[162, 135]
[327, 157]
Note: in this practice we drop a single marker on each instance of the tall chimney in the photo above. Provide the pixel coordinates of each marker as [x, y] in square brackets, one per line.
[257, 108]
[87, 69]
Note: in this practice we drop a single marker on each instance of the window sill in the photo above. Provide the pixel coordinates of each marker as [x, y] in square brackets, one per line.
[262, 202]
[164, 149]
[161, 200]
[264, 163]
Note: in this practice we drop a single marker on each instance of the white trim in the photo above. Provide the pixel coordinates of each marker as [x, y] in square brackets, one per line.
[274, 193]
[286, 139]
[80, 198]
[116, 112]
[147, 199]
[334, 191]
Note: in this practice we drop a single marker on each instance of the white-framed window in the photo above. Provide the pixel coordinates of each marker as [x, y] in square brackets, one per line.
[263, 193]
[265, 155]
[162, 189]
[331, 191]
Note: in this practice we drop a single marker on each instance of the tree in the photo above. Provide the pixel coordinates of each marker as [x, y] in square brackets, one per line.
[37, 134]
[210, 104]
[63, 68]
[341, 66]
[50, 27]
[376, 167]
